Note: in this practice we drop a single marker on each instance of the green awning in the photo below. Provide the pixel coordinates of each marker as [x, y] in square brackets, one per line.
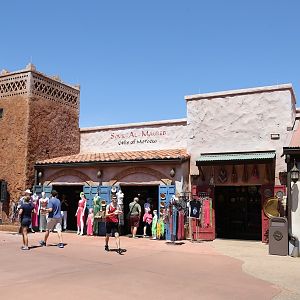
[235, 158]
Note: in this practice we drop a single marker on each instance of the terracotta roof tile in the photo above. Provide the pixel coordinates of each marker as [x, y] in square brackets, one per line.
[118, 156]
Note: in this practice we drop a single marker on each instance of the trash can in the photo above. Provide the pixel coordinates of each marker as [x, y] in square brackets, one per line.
[278, 236]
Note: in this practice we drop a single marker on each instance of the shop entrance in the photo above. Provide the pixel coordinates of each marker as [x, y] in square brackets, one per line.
[72, 194]
[144, 192]
[238, 212]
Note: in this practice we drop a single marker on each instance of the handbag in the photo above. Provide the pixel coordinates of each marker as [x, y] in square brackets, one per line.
[128, 215]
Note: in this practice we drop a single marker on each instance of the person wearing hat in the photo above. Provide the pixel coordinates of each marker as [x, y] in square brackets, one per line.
[25, 212]
[26, 194]
[134, 216]
[113, 210]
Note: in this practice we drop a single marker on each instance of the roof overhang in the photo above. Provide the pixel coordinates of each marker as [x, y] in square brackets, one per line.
[235, 158]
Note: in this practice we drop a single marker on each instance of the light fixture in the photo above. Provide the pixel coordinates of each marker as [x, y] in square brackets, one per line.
[40, 174]
[172, 172]
[99, 174]
[295, 173]
[275, 136]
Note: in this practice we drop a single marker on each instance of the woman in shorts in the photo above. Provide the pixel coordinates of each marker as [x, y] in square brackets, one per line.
[25, 212]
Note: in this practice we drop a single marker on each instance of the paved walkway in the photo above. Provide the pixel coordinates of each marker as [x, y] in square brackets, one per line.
[148, 270]
[283, 271]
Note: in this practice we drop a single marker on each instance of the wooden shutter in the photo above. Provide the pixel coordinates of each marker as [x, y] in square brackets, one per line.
[38, 189]
[3, 190]
[105, 193]
[165, 194]
[87, 194]
[47, 189]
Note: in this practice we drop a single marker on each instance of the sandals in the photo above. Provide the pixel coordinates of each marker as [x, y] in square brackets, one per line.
[24, 248]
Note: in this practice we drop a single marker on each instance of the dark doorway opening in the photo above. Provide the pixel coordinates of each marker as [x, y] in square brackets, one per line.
[144, 192]
[72, 194]
[238, 212]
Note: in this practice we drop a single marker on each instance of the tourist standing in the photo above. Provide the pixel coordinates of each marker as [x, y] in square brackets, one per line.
[25, 211]
[113, 210]
[134, 215]
[64, 211]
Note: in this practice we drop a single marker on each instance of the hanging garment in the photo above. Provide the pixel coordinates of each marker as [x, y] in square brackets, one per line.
[160, 228]
[80, 212]
[154, 226]
[89, 223]
[234, 175]
[180, 229]
[174, 224]
[245, 174]
[170, 212]
[96, 208]
[195, 207]
[35, 214]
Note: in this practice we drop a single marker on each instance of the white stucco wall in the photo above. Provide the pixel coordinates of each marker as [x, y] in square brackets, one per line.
[169, 134]
[295, 208]
[240, 121]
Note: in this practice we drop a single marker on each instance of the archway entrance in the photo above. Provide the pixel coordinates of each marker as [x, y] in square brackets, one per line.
[145, 193]
[72, 195]
[238, 212]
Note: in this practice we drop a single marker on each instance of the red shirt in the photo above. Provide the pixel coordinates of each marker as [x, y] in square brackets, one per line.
[112, 218]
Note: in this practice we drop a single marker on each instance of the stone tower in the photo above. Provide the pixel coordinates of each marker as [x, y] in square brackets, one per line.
[39, 119]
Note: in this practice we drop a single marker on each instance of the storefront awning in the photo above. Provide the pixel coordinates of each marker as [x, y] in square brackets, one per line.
[234, 158]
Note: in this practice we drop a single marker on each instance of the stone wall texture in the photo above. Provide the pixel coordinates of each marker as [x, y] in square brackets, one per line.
[240, 123]
[40, 120]
[13, 144]
[53, 131]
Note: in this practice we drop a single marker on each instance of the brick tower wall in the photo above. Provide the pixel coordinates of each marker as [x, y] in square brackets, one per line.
[53, 121]
[40, 120]
[13, 134]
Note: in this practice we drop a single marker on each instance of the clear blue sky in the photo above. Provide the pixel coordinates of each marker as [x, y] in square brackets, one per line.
[136, 60]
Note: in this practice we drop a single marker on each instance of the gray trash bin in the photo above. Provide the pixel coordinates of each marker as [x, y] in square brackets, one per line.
[278, 236]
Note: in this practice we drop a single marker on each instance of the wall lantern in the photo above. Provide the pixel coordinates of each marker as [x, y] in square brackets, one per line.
[295, 173]
[40, 174]
[172, 172]
[99, 174]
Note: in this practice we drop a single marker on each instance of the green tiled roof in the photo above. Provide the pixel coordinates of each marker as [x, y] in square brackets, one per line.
[235, 156]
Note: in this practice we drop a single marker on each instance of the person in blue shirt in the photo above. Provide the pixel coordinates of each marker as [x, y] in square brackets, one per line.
[54, 219]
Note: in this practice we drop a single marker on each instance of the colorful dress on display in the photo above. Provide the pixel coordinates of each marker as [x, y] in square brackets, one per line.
[96, 207]
[35, 213]
[160, 231]
[89, 223]
[80, 212]
[154, 226]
